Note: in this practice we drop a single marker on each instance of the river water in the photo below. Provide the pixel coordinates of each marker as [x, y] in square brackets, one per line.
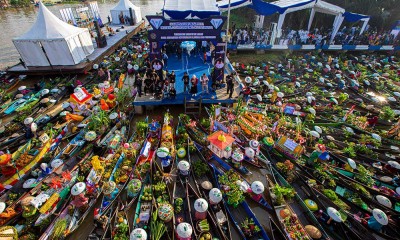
[15, 22]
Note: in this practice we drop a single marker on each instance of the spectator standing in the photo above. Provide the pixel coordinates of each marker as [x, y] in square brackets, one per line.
[172, 79]
[165, 59]
[172, 93]
[204, 83]
[229, 85]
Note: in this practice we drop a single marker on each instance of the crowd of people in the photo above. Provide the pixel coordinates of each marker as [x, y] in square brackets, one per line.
[345, 36]
[152, 78]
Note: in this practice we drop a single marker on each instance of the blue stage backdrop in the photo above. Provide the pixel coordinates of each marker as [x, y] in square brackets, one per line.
[209, 29]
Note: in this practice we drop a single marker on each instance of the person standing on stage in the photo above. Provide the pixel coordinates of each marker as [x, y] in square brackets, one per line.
[185, 80]
[138, 84]
[229, 85]
[172, 79]
[194, 80]
[204, 83]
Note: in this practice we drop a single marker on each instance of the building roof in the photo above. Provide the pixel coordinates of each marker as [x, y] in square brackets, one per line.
[216, 138]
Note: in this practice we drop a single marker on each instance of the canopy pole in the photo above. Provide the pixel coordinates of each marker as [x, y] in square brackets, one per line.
[311, 19]
[280, 24]
[365, 24]
[336, 25]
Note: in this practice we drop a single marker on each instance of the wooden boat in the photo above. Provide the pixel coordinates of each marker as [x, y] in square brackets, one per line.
[307, 214]
[353, 215]
[144, 206]
[45, 201]
[14, 84]
[119, 225]
[102, 225]
[241, 169]
[218, 211]
[29, 187]
[85, 196]
[280, 209]
[149, 146]
[108, 198]
[167, 142]
[381, 190]
[24, 164]
[182, 207]
[20, 105]
[163, 196]
[246, 185]
[241, 213]
[337, 230]
[214, 231]
[135, 184]
[17, 103]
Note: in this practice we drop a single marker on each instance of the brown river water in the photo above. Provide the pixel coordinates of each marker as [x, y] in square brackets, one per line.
[15, 22]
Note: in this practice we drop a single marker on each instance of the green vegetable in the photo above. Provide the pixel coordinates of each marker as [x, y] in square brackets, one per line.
[59, 228]
[200, 168]
[157, 227]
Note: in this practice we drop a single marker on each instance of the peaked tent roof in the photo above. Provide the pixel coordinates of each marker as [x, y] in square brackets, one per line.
[181, 9]
[48, 26]
[124, 5]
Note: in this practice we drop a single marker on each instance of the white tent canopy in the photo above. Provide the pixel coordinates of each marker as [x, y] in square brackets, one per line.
[316, 6]
[184, 9]
[224, 4]
[122, 9]
[50, 41]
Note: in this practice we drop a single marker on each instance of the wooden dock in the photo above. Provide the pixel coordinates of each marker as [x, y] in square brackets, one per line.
[113, 42]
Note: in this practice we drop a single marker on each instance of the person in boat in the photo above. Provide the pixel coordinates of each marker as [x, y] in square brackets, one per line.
[110, 190]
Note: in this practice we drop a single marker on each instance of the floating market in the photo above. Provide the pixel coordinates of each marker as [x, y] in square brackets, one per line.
[161, 135]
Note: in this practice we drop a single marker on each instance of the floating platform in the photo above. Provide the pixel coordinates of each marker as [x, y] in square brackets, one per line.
[113, 42]
[194, 65]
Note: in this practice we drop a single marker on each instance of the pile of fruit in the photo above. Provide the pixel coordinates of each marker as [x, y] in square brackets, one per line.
[122, 173]
[203, 225]
[147, 196]
[205, 236]
[295, 229]
[159, 188]
[23, 160]
[110, 166]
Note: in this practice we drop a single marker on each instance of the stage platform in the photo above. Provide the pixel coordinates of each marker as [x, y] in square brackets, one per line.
[193, 64]
[96, 57]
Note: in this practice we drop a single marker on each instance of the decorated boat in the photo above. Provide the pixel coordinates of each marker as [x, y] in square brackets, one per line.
[166, 152]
